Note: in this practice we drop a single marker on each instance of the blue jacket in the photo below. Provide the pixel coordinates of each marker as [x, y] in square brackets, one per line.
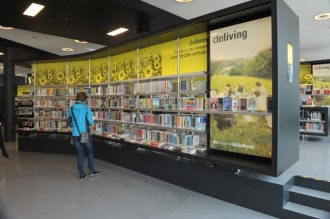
[80, 110]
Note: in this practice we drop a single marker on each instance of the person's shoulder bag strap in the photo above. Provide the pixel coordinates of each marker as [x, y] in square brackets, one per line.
[74, 118]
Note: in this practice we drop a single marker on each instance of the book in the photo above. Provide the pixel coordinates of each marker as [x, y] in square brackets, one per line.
[269, 104]
[220, 103]
[243, 104]
[234, 106]
[252, 104]
[214, 104]
[155, 102]
[227, 103]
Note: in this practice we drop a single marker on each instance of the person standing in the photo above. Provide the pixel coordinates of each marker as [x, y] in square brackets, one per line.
[2, 142]
[83, 115]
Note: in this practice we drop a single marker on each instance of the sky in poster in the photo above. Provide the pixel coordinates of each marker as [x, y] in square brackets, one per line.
[257, 37]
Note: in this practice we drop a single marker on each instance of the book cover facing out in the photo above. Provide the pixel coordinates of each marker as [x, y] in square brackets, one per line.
[243, 104]
[220, 103]
[234, 105]
[227, 103]
[252, 104]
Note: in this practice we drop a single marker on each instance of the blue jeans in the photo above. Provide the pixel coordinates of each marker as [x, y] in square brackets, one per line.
[80, 155]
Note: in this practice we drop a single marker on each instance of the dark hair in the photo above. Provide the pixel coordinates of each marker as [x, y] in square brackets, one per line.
[81, 96]
[258, 83]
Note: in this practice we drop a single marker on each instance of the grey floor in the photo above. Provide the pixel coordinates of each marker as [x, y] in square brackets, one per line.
[45, 186]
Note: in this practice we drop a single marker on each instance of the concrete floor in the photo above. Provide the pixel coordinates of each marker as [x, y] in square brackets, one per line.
[46, 186]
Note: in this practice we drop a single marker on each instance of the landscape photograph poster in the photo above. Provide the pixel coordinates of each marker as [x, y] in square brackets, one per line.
[321, 84]
[241, 88]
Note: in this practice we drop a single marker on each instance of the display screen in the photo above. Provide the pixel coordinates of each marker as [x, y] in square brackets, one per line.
[241, 88]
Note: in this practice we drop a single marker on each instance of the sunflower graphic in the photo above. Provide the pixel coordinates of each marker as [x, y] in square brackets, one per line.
[306, 78]
[104, 71]
[127, 63]
[42, 80]
[121, 75]
[98, 78]
[148, 72]
[78, 75]
[156, 65]
[128, 69]
[71, 80]
[60, 76]
[157, 58]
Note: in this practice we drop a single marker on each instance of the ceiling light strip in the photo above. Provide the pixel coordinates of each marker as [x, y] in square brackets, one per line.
[33, 9]
[117, 31]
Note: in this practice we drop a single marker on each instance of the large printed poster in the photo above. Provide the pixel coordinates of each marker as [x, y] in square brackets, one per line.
[321, 81]
[241, 88]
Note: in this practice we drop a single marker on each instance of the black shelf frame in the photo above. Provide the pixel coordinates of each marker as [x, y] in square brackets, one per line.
[325, 120]
[285, 117]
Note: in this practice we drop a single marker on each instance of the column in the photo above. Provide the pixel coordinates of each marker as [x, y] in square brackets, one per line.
[9, 94]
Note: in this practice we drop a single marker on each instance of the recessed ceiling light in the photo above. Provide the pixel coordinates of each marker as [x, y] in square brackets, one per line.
[1, 53]
[33, 9]
[183, 1]
[322, 16]
[117, 31]
[79, 41]
[6, 28]
[67, 49]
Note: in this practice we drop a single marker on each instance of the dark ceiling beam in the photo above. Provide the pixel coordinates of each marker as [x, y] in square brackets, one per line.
[23, 52]
[152, 10]
[5, 42]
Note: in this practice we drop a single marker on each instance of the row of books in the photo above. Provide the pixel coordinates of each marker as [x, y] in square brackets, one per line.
[50, 124]
[59, 103]
[50, 114]
[168, 138]
[314, 115]
[24, 103]
[174, 121]
[166, 120]
[115, 128]
[321, 91]
[199, 85]
[25, 114]
[117, 89]
[184, 103]
[261, 103]
[50, 92]
[314, 127]
[156, 86]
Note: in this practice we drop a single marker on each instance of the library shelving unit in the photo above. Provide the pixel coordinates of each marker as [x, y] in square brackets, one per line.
[157, 92]
[24, 111]
[314, 121]
[167, 112]
[152, 100]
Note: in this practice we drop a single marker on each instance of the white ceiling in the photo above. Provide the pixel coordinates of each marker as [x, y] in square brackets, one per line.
[314, 35]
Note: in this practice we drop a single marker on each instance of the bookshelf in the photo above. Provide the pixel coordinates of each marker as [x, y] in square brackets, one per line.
[24, 111]
[166, 112]
[314, 121]
[141, 91]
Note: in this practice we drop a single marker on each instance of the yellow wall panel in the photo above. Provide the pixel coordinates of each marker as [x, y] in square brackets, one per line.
[50, 73]
[78, 72]
[99, 70]
[123, 66]
[193, 53]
